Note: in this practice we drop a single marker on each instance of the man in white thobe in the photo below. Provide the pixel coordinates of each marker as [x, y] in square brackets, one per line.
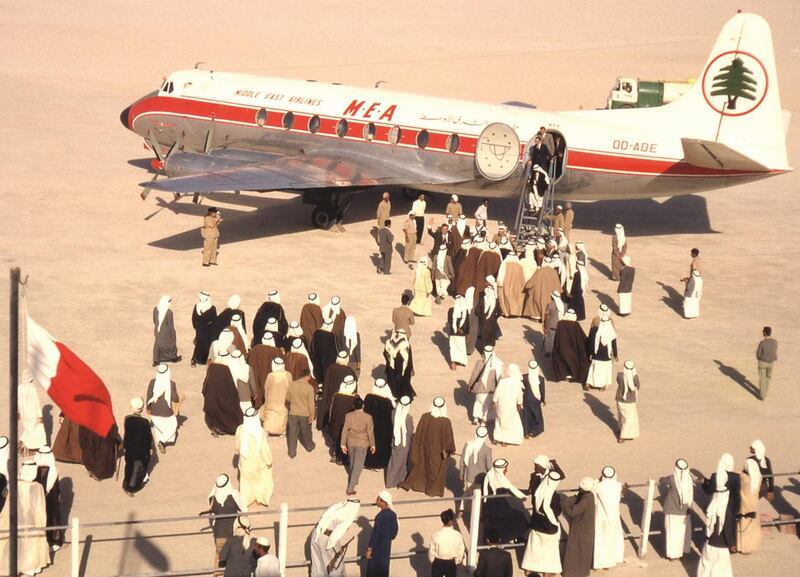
[692, 296]
[507, 401]
[609, 544]
[33, 552]
[327, 549]
[255, 460]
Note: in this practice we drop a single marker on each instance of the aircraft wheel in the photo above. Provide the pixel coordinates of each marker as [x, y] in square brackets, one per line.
[321, 218]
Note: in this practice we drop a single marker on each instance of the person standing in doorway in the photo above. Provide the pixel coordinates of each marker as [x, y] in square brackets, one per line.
[767, 355]
[418, 208]
[210, 234]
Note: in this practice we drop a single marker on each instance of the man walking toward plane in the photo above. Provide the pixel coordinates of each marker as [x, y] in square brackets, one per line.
[767, 354]
[210, 234]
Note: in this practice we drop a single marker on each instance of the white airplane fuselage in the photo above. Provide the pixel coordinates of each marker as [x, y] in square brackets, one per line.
[610, 154]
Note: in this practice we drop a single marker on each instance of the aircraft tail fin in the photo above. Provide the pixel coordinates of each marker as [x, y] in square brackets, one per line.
[734, 108]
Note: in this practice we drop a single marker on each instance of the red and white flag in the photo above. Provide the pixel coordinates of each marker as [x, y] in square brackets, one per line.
[72, 385]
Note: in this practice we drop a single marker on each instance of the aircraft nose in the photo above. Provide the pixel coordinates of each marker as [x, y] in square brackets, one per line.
[124, 117]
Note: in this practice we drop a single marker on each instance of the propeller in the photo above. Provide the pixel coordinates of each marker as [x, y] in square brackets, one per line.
[159, 163]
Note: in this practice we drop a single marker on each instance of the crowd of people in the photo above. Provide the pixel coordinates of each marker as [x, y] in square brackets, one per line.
[283, 378]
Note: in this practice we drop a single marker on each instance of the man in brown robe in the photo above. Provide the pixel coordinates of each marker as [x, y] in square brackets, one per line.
[467, 272]
[260, 361]
[99, 454]
[310, 319]
[511, 286]
[488, 265]
[580, 542]
[539, 289]
[432, 445]
[297, 360]
[334, 377]
[66, 447]
[570, 358]
[223, 414]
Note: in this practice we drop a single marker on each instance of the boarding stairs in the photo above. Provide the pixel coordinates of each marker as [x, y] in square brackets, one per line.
[531, 222]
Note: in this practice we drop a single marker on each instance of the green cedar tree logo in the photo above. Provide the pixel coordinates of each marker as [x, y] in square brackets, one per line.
[735, 81]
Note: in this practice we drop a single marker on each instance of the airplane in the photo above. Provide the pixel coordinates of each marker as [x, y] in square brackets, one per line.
[220, 131]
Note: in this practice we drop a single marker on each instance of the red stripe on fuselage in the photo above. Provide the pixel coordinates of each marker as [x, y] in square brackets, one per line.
[594, 161]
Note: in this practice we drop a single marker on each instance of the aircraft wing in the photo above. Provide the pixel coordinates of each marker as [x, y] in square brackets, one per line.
[304, 172]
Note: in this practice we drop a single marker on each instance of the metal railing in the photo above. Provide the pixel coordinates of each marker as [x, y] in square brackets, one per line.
[74, 528]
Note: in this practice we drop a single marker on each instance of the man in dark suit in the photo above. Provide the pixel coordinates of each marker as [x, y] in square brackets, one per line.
[494, 562]
[385, 244]
[440, 237]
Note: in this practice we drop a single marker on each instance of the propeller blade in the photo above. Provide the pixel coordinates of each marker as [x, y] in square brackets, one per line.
[153, 143]
[146, 190]
[209, 139]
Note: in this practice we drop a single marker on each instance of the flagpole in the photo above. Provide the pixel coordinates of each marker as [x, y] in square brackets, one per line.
[13, 411]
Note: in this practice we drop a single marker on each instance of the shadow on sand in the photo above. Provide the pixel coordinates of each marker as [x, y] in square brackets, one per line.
[738, 378]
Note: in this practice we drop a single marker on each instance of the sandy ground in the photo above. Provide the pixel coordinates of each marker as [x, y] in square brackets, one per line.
[99, 258]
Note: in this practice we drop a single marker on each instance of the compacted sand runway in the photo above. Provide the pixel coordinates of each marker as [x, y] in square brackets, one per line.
[99, 258]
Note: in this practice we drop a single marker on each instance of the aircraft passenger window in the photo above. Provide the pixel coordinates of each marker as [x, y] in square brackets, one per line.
[422, 138]
[369, 132]
[313, 124]
[394, 135]
[341, 128]
[288, 120]
[453, 142]
[261, 117]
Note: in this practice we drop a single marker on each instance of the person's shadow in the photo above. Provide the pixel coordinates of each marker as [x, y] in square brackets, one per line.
[635, 503]
[441, 340]
[601, 267]
[419, 561]
[461, 396]
[783, 507]
[601, 411]
[47, 421]
[673, 299]
[66, 486]
[364, 533]
[606, 300]
[738, 378]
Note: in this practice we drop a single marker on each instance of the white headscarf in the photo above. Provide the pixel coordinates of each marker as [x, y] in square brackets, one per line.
[253, 434]
[274, 297]
[44, 458]
[298, 346]
[350, 334]
[629, 372]
[380, 389]
[619, 231]
[278, 365]
[313, 298]
[438, 407]
[460, 312]
[581, 247]
[496, 479]
[760, 452]
[294, 331]
[584, 275]
[239, 367]
[754, 463]
[222, 490]
[556, 297]
[605, 334]
[570, 315]
[608, 492]
[332, 309]
[489, 297]
[236, 323]
[717, 509]
[268, 339]
[162, 307]
[398, 344]
[28, 471]
[203, 302]
[603, 312]
[234, 302]
[535, 379]
[474, 446]
[682, 480]
[337, 518]
[543, 496]
[461, 224]
[162, 387]
[399, 428]
[441, 255]
[421, 269]
[348, 386]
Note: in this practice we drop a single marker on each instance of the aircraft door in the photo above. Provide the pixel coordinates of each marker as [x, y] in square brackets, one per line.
[497, 151]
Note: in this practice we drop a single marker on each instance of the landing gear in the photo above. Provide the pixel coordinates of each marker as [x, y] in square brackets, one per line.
[330, 207]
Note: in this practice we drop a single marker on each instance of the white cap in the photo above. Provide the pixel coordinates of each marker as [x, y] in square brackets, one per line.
[386, 497]
[137, 403]
[263, 541]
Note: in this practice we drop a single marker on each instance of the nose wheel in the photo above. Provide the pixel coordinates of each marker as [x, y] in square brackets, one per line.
[322, 217]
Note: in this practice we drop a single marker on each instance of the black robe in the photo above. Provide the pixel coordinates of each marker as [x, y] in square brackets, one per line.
[221, 400]
[726, 538]
[325, 353]
[576, 302]
[398, 375]
[604, 352]
[334, 377]
[203, 333]
[266, 311]
[579, 555]
[506, 514]
[224, 320]
[340, 406]
[488, 327]
[137, 443]
[380, 408]
[570, 356]
[3, 486]
[99, 454]
[532, 417]
[53, 506]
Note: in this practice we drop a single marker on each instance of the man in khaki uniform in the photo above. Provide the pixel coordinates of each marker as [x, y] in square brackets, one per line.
[210, 234]
[569, 218]
[454, 207]
[384, 211]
